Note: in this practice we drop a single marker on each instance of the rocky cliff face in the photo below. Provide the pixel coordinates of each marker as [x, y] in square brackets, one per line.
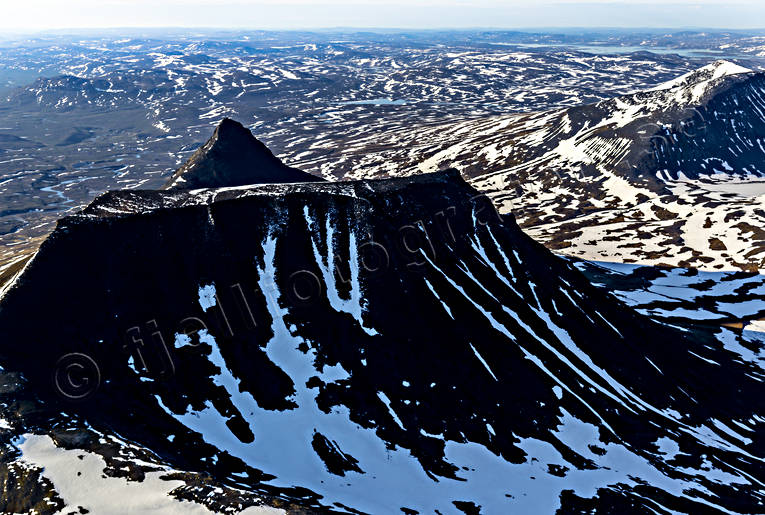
[233, 157]
[377, 346]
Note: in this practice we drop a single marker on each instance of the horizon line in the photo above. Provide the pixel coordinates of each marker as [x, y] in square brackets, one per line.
[520, 28]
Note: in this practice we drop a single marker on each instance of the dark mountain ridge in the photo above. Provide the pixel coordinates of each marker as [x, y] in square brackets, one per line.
[233, 157]
[376, 346]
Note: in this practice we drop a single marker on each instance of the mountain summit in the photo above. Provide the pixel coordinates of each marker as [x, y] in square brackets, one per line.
[704, 78]
[234, 157]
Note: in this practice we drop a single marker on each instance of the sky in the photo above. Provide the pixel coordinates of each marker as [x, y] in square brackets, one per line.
[34, 15]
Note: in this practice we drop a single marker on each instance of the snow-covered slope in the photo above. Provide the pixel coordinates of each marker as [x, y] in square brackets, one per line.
[671, 175]
[377, 346]
[686, 296]
[699, 81]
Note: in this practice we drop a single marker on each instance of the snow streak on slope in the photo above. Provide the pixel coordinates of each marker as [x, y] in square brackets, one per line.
[282, 443]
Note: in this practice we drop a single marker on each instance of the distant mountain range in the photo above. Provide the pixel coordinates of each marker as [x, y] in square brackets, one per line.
[671, 175]
[94, 113]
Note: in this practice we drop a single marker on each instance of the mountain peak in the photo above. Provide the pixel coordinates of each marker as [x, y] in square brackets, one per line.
[234, 157]
[723, 68]
[228, 128]
[713, 71]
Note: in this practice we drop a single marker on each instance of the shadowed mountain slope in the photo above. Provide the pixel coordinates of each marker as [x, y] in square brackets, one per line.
[378, 346]
[233, 157]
